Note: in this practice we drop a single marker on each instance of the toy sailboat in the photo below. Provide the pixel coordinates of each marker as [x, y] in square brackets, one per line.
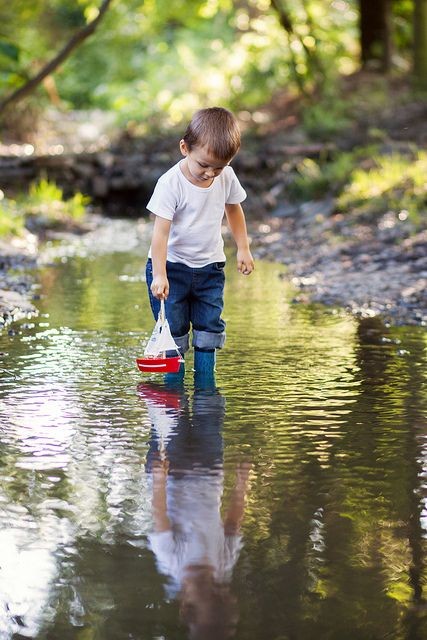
[160, 342]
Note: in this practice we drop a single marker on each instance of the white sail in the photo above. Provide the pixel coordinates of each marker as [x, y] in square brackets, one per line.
[164, 420]
[161, 339]
[151, 348]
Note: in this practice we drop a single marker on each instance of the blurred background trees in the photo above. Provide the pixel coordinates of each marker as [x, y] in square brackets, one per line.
[153, 62]
[332, 91]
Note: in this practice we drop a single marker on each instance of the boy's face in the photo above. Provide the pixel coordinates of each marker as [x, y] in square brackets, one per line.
[199, 166]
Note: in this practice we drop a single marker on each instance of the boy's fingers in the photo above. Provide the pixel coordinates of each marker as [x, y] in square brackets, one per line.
[244, 268]
[160, 292]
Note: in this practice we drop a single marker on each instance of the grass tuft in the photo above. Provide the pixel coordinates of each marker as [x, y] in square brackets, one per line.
[395, 182]
[46, 199]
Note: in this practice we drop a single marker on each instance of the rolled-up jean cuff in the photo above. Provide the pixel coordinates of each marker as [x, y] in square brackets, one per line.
[208, 340]
[182, 342]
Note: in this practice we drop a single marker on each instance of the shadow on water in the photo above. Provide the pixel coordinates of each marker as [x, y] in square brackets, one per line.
[286, 501]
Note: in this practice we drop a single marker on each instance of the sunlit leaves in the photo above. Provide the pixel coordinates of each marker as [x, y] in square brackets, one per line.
[212, 49]
[394, 183]
[11, 218]
[199, 52]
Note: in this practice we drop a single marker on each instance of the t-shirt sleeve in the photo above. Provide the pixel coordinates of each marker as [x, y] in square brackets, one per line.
[164, 547]
[170, 551]
[163, 202]
[232, 546]
[236, 192]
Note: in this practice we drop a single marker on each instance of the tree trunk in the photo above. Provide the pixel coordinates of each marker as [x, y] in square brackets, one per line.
[420, 43]
[375, 34]
[63, 54]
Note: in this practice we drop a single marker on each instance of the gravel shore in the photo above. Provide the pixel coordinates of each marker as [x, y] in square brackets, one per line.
[17, 260]
[369, 269]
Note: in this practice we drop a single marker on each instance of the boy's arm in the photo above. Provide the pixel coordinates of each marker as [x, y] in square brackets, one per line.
[159, 501]
[237, 223]
[159, 246]
[236, 508]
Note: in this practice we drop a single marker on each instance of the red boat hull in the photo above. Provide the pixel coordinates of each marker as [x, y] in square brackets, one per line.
[159, 365]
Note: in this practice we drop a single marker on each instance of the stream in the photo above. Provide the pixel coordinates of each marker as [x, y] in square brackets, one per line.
[284, 500]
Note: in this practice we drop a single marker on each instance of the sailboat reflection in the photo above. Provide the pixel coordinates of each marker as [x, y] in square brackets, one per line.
[194, 546]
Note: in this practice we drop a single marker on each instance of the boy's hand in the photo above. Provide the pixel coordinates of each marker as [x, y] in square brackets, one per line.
[160, 287]
[160, 469]
[245, 262]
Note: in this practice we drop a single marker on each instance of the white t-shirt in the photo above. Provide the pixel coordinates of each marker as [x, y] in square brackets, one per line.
[197, 535]
[196, 212]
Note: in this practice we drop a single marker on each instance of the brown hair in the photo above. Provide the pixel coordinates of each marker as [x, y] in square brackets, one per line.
[215, 128]
[210, 614]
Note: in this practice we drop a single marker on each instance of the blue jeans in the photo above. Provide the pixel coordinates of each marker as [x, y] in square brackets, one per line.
[195, 299]
[195, 441]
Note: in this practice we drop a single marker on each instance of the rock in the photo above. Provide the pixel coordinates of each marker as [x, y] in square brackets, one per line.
[315, 208]
[100, 186]
[286, 211]
[15, 304]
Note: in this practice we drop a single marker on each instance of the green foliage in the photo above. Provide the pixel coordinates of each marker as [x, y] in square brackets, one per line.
[154, 62]
[394, 183]
[326, 118]
[46, 199]
[9, 50]
[316, 178]
[159, 60]
[11, 218]
[367, 183]
[44, 205]
[44, 193]
[402, 25]
[10, 75]
[168, 67]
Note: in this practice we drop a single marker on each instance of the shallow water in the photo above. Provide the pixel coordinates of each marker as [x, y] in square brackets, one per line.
[284, 500]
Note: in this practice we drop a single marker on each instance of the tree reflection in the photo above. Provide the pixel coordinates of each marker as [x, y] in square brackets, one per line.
[195, 547]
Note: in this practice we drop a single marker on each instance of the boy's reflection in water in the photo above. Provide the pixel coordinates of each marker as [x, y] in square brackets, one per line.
[193, 545]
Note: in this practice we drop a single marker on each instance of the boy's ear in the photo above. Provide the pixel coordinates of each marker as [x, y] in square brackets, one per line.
[183, 148]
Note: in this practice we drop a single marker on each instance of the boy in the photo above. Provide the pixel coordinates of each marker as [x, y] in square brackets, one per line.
[186, 261]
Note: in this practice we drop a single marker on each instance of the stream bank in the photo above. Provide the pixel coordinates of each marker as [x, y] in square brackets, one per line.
[369, 270]
[18, 260]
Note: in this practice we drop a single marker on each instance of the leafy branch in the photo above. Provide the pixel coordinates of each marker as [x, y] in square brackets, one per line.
[60, 57]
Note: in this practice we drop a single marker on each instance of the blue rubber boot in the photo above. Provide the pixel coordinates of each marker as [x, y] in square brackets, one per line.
[204, 368]
[175, 379]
